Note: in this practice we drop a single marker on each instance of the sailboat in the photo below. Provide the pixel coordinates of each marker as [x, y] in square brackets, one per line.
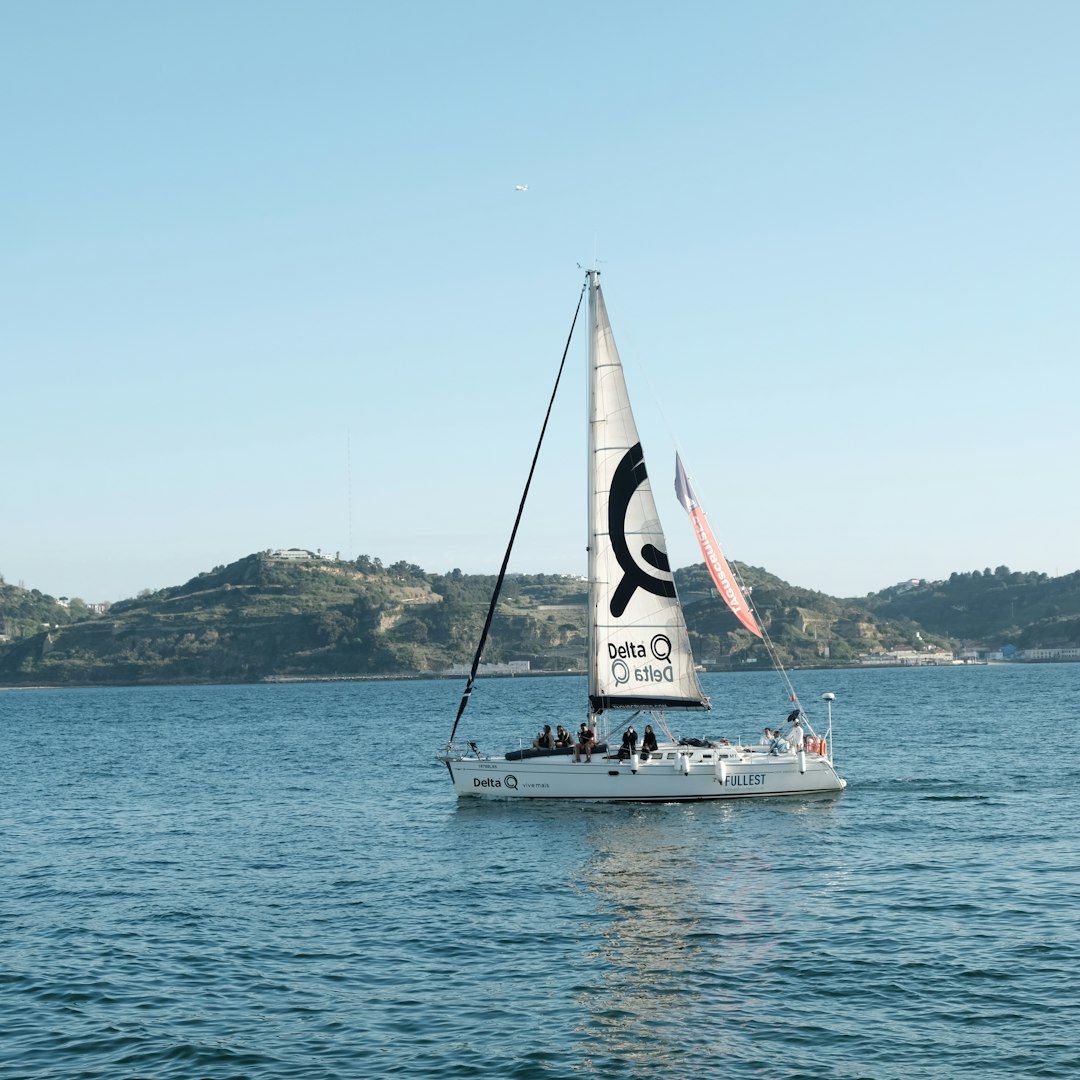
[640, 667]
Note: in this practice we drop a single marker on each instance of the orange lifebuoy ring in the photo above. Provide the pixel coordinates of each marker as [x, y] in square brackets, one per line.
[824, 748]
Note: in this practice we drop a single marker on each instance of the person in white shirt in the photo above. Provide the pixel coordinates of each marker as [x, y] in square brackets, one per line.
[797, 736]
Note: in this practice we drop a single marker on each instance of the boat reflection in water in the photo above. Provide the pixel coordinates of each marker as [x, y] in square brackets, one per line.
[691, 926]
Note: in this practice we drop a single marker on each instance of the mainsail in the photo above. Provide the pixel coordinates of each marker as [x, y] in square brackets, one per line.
[640, 652]
[714, 558]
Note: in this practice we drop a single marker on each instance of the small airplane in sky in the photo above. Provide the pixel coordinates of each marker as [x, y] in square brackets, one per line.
[521, 187]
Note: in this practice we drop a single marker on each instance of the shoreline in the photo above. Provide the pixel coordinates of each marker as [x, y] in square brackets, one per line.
[429, 676]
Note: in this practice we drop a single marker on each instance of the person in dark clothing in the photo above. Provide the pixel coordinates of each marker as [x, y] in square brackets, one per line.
[629, 743]
[584, 743]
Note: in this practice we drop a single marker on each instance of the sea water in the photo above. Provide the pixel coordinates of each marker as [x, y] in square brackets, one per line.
[277, 881]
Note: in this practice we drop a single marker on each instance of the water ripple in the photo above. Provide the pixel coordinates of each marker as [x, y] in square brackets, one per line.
[215, 882]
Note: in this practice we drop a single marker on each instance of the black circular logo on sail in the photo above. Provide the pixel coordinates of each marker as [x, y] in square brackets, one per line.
[629, 476]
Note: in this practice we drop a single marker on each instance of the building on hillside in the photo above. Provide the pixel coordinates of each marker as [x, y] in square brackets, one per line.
[512, 667]
[908, 658]
[1049, 654]
[295, 554]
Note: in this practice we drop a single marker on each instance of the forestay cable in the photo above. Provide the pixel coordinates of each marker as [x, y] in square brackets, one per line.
[513, 532]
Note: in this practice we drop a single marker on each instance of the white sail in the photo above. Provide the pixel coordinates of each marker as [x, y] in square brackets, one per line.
[639, 652]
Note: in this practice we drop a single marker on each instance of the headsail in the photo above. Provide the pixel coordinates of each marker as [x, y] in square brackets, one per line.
[714, 558]
[639, 652]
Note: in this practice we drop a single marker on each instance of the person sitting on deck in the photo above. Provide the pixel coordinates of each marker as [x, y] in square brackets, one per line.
[584, 743]
[563, 738]
[629, 743]
[546, 739]
[767, 738]
[648, 740]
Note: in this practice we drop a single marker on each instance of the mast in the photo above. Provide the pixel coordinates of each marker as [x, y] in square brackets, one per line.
[592, 278]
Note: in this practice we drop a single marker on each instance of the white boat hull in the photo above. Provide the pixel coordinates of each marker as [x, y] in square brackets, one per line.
[672, 774]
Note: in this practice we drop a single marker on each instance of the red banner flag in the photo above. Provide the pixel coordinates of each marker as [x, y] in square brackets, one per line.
[714, 557]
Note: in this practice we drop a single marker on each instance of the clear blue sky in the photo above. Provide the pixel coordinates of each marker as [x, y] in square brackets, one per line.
[266, 282]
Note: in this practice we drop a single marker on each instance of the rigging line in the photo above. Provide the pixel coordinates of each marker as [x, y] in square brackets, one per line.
[770, 648]
[517, 521]
[775, 657]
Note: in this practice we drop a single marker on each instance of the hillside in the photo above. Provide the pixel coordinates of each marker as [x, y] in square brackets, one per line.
[263, 617]
[1028, 610]
[24, 612]
[807, 628]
